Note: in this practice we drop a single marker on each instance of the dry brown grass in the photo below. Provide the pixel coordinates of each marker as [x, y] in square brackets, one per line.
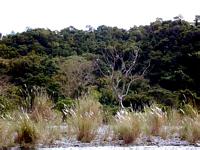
[172, 124]
[46, 119]
[190, 126]
[29, 133]
[42, 125]
[26, 131]
[195, 131]
[42, 108]
[85, 119]
[6, 133]
[127, 126]
[49, 132]
[39, 126]
[154, 120]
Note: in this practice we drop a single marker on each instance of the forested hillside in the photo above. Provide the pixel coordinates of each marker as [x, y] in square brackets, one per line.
[71, 62]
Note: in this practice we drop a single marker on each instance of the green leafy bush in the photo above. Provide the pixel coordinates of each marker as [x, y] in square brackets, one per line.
[64, 104]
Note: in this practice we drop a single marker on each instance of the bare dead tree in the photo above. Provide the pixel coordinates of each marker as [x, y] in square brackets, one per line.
[120, 71]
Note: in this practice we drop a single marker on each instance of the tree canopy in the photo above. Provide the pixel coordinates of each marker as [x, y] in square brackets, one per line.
[41, 57]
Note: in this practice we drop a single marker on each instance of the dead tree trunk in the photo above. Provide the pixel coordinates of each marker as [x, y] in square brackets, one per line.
[120, 71]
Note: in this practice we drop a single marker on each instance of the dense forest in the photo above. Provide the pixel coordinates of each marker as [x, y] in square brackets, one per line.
[71, 63]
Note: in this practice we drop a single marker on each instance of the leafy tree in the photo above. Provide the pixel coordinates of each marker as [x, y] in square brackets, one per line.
[173, 47]
[74, 76]
[32, 70]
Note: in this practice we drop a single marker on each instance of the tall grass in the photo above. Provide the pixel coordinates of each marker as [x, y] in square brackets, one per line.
[38, 125]
[49, 132]
[6, 133]
[46, 119]
[85, 119]
[42, 124]
[42, 108]
[127, 126]
[171, 124]
[190, 125]
[27, 132]
[153, 120]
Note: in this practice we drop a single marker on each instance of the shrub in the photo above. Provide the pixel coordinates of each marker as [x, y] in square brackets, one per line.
[138, 101]
[109, 112]
[164, 97]
[74, 74]
[127, 126]
[64, 104]
[85, 119]
[8, 96]
[6, 105]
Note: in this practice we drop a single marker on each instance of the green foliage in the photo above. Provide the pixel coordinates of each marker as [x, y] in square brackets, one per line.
[32, 70]
[40, 57]
[9, 98]
[64, 104]
[6, 106]
[138, 101]
[188, 97]
[74, 75]
[165, 97]
[107, 97]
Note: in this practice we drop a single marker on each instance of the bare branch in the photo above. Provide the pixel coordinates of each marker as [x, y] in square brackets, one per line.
[146, 68]
[133, 64]
[99, 68]
[118, 81]
[121, 75]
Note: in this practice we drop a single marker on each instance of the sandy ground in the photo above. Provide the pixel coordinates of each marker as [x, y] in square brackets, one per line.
[128, 148]
[107, 141]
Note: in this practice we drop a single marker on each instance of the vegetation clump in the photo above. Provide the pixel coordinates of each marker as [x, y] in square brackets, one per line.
[154, 120]
[27, 132]
[149, 72]
[85, 119]
[127, 126]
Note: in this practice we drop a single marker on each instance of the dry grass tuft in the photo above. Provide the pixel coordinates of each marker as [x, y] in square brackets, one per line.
[154, 120]
[42, 108]
[190, 129]
[172, 124]
[127, 126]
[85, 119]
[6, 133]
[27, 132]
[189, 111]
[190, 124]
[48, 132]
[30, 133]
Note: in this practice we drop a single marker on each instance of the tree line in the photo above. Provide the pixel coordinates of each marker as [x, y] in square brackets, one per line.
[156, 63]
